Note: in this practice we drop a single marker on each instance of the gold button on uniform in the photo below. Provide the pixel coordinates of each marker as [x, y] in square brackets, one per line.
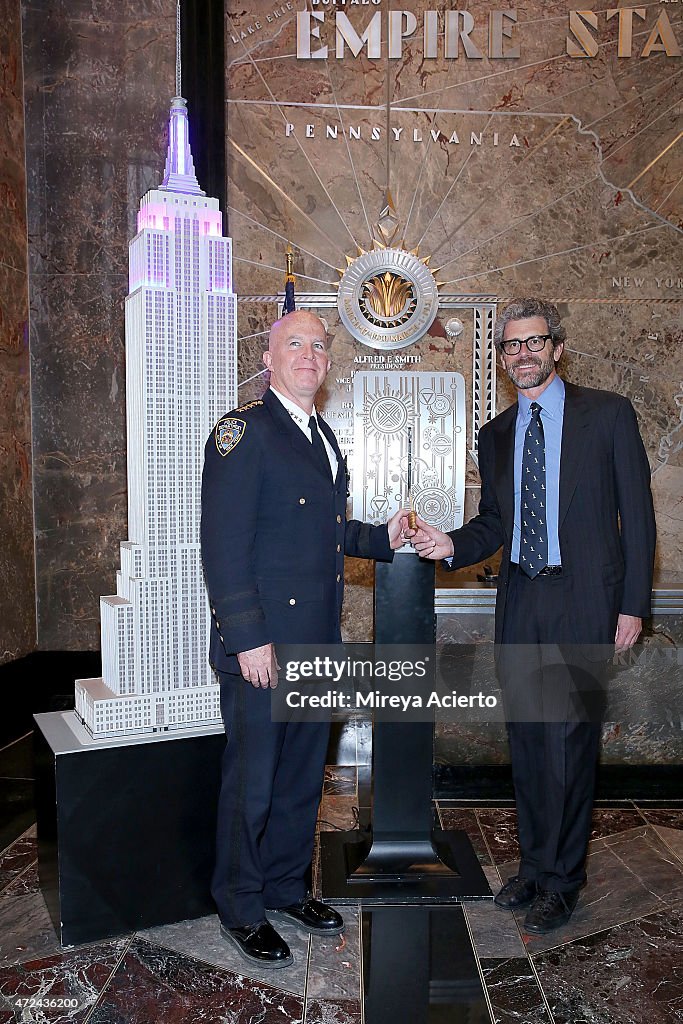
[302, 501]
[339, 519]
[292, 600]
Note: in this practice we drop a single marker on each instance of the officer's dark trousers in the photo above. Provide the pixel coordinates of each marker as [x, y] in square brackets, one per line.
[270, 790]
[554, 741]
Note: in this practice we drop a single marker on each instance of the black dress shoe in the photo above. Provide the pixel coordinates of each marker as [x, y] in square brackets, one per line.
[550, 910]
[260, 944]
[312, 916]
[517, 892]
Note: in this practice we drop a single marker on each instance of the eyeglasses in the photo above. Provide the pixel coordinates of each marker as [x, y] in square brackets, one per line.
[534, 344]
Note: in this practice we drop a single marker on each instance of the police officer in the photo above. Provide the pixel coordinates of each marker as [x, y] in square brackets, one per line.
[274, 534]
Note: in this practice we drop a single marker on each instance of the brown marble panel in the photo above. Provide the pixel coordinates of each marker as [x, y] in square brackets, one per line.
[25, 884]
[17, 602]
[340, 781]
[338, 812]
[499, 826]
[650, 685]
[481, 744]
[26, 929]
[16, 858]
[664, 817]
[630, 875]
[78, 975]
[334, 964]
[495, 932]
[465, 818]
[673, 839]
[358, 613]
[98, 81]
[201, 939]
[608, 821]
[333, 1011]
[623, 975]
[514, 991]
[152, 983]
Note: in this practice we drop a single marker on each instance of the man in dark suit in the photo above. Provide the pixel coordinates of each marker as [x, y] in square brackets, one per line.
[565, 490]
[274, 535]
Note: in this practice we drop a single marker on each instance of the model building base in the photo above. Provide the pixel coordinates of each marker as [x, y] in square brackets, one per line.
[105, 713]
[125, 829]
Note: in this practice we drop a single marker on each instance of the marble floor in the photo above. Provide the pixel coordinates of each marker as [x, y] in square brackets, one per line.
[619, 960]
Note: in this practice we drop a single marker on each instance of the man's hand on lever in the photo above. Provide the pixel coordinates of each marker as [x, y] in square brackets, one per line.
[259, 666]
[428, 541]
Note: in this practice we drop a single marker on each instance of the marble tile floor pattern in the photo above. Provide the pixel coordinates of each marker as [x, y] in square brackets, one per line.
[619, 960]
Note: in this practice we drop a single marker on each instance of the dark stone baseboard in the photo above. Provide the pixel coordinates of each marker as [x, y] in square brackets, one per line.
[492, 784]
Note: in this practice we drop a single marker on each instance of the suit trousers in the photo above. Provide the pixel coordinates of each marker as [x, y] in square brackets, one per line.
[272, 775]
[554, 743]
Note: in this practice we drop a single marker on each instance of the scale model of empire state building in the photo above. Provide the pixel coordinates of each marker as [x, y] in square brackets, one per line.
[180, 379]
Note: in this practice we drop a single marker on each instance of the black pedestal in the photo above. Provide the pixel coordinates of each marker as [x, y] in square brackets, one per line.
[126, 830]
[402, 859]
[419, 967]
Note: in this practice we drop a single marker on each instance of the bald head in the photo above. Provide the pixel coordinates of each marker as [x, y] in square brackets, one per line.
[297, 357]
[294, 320]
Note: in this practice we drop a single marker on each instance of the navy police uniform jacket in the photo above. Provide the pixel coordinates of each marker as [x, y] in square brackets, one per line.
[274, 534]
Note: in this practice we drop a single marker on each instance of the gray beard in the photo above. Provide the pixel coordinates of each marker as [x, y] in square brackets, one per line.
[533, 380]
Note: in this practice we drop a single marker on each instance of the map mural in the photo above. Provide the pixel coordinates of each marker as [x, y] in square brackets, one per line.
[535, 150]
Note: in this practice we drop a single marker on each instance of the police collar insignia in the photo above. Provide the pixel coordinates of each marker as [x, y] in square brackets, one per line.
[249, 405]
[229, 432]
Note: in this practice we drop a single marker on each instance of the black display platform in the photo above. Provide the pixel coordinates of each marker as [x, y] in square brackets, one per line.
[126, 830]
[401, 859]
[419, 967]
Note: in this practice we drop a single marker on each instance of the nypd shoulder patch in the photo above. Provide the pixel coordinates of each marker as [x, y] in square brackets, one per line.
[228, 433]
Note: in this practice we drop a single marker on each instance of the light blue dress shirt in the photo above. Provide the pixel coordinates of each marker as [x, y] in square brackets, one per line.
[552, 416]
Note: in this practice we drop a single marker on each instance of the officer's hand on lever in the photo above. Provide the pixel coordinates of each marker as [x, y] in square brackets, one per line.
[428, 541]
[259, 666]
[396, 526]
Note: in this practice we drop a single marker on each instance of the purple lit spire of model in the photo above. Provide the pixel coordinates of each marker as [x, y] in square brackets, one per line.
[180, 378]
[179, 175]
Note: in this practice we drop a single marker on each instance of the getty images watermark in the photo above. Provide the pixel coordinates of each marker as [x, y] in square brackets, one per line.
[460, 683]
[391, 682]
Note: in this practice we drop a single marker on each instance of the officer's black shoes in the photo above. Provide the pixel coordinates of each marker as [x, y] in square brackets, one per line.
[312, 916]
[260, 944]
[550, 910]
[517, 892]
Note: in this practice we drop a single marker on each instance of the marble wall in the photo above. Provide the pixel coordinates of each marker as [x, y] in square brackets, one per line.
[99, 75]
[644, 705]
[560, 212]
[537, 174]
[17, 589]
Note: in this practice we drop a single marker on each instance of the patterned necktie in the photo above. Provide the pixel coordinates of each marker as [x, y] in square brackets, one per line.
[319, 447]
[533, 544]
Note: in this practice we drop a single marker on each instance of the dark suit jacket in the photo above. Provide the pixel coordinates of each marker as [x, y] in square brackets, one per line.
[606, 518]
[274, 534]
